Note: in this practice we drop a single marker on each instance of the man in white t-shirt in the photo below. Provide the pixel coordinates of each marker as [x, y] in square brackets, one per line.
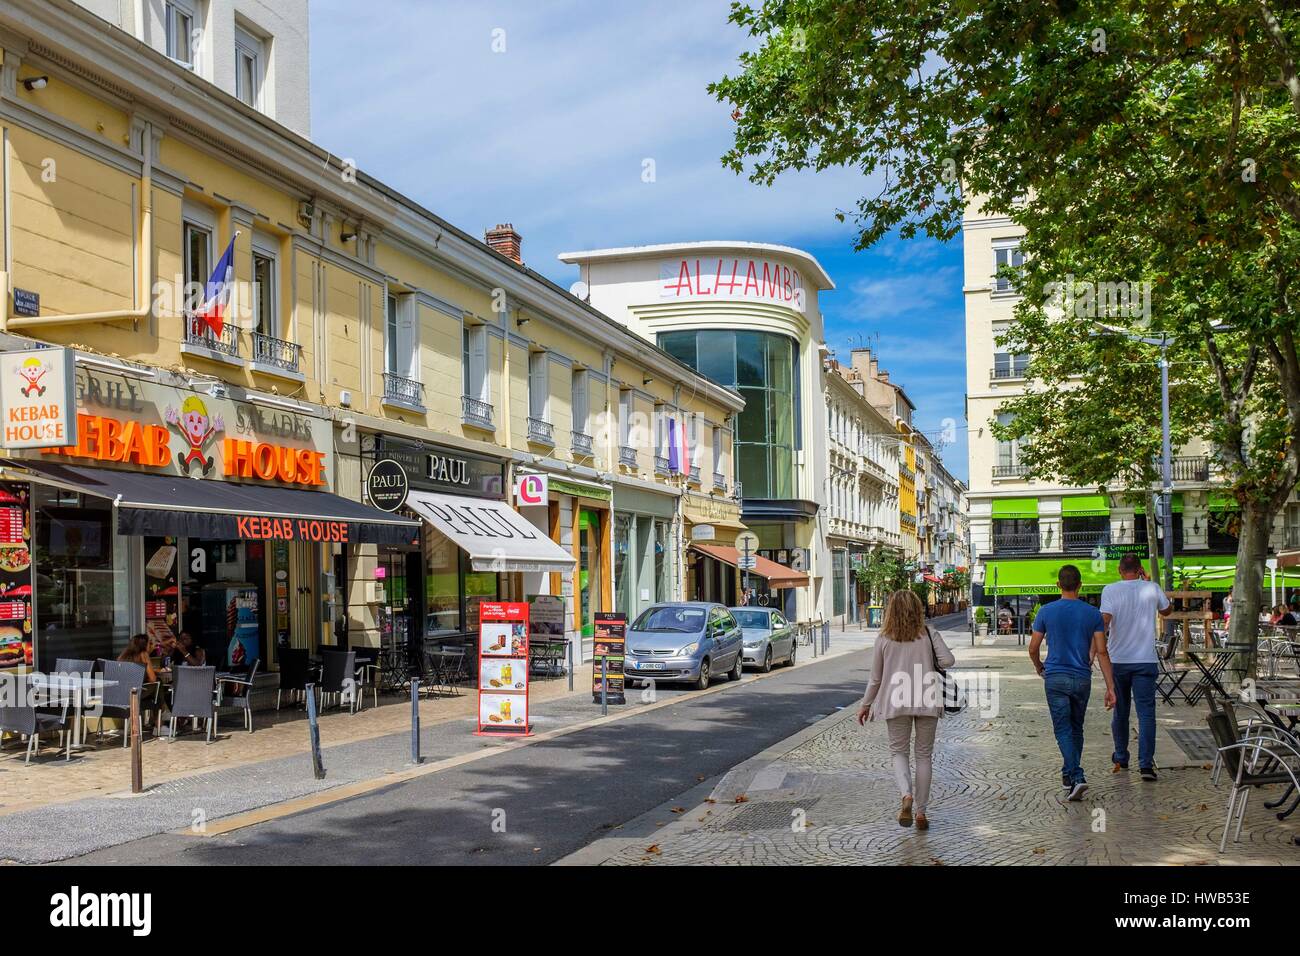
[1129, 607]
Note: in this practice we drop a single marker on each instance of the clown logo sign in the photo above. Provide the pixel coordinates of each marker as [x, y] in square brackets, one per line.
[32, 371]
[198, 429]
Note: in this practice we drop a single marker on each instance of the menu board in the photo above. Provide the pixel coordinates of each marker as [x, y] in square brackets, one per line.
[161, 595]
[15, 577]
[611, 641]
[503, 668]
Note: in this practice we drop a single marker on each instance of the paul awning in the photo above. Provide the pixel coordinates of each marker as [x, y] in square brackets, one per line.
[171, 505]
[778, 575]
[490, 532]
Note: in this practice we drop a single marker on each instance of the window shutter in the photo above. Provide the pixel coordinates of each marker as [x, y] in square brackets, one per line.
[408, 339]
[478, 363]
[538, 385]
[580, 401]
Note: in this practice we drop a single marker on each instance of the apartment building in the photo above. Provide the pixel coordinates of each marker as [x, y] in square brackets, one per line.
[861, 510]
[1022, 529]
[392, 421]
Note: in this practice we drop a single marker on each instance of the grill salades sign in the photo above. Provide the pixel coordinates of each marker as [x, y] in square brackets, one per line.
[730, 277]
[36, 395]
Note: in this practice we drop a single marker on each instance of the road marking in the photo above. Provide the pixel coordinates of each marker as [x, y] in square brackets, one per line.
[357, 788]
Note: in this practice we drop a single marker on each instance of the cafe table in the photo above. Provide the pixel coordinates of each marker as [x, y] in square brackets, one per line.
[1219, 658]
[75, 687]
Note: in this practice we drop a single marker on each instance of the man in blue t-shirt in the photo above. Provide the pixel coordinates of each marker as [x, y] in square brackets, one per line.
[1075, 636]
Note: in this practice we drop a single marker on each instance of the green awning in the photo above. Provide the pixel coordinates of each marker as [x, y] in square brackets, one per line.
[1211, 572]
[1220, 501]
[1084, 506]
[1176, 504]
[1015, 507]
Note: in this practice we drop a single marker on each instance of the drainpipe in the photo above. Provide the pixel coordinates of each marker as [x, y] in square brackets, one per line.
[144, 288]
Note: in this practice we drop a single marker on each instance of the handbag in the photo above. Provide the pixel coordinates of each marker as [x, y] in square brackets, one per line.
[954, 701]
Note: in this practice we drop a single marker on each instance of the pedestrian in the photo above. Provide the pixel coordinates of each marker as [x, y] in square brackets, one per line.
[905, 691]
[1129, 607]
[1075, 636]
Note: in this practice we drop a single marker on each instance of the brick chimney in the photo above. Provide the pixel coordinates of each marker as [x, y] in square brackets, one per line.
[506, 241]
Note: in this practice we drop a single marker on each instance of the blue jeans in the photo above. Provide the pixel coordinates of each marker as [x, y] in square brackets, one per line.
[1136, 683]
[1067, 702]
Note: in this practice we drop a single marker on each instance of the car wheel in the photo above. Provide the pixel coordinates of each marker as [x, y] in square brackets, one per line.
[793, 650]
[738, 669]
[767, 660]
[702, 682]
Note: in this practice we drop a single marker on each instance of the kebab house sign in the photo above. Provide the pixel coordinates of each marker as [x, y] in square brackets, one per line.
[123, 422]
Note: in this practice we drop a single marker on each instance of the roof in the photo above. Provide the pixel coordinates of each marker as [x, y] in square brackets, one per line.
[824, 281]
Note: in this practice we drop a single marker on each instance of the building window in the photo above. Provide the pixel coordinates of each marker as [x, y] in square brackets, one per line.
[474, 365]
[625, 417]
[1006, 256]
[580, 401]
[401, 336]
[265, 313]
[249, 65]
[539, 387]
[182, 37]
[1015, 534]
[763, 367]
[198, 263]
[1009, 463]
[1009, 365]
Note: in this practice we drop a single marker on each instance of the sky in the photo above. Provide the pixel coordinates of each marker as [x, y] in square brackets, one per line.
[543, 114]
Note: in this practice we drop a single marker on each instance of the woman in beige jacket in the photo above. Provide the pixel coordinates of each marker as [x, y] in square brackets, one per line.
[906, 693]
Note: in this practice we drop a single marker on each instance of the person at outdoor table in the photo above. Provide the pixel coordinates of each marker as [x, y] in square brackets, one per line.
[185, 651]
[137, 652]
[1282, 617]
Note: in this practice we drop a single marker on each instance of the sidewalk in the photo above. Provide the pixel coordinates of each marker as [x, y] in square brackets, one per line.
[53, 810]
[996, 796]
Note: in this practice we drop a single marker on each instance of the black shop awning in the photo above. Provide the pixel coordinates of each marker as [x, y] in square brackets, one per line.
[172, 505]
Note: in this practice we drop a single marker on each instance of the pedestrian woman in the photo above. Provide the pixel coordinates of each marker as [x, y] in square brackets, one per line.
[907, 652]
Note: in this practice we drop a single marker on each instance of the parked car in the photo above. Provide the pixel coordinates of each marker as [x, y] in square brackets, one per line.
[687, 641]
[768, 637]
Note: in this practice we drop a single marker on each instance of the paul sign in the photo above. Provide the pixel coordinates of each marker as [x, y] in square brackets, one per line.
[387, 485]
[37, 403]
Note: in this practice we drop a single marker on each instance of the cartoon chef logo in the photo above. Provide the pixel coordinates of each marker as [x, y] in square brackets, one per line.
[198, 429]
[32, 371]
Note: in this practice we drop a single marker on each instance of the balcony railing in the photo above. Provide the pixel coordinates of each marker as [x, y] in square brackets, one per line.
[1010, 369]
[738, 491]
[661, 465]
[583, 445]
[719, 481]
[541, 432]
[1021, 543]
[695, 474]
[399, 388]
[1084, 540]
[476, 412]
[627, 456]
[198, 333]
[1189, 468]
[1010, 471]
[280, 353]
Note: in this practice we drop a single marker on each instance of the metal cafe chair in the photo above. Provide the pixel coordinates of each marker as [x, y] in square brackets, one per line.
[121, 677]
[242, 700]
[338, 669]
[1169, 680]
[453, 667]
[1242, 758]
[24, 719]
[295, 672]
[194, 694]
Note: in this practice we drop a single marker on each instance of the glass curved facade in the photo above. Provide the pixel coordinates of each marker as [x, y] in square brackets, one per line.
[763, 367]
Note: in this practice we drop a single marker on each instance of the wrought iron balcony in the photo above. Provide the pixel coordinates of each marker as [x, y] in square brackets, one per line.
[541, 432]
[627, 456]
[719, 481]
[476, 413]
[1084, 540]
[399, 388]
[1008, 369]
[695, 474]
[198, 333]
[1011, 471]
[661, 465]
[583, 444]
[280, 353]
[1019, 543]
[738, 491]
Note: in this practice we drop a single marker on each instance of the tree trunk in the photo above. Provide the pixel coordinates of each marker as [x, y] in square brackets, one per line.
[1153, 539]
[1252, 548]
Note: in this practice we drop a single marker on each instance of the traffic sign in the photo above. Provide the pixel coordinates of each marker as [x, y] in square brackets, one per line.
[747, 542]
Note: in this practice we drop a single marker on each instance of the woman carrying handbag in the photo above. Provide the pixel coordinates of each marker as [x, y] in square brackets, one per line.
[906, 691]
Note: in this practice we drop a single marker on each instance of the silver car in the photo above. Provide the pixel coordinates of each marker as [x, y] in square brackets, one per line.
[768, 637]
[689, 641]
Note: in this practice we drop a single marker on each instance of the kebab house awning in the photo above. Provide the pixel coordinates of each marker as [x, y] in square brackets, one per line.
[494, 535]
[778, 575]
[173, 505]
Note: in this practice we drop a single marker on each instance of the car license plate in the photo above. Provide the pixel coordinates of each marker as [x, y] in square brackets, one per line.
[650, 666]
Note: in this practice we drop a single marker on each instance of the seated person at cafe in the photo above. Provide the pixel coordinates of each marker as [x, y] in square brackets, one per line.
[184, 651]
[1283, 617]
[137, 652]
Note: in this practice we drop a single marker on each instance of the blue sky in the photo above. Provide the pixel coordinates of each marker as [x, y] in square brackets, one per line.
[543, 114]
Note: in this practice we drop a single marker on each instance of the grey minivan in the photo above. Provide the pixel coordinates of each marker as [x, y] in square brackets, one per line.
[688, 641]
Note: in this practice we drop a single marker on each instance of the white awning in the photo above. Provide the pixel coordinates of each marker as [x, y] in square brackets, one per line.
[494, 535]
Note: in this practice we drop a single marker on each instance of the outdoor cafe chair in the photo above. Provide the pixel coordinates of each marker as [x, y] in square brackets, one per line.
[1169, 679]
[120, 678]
[295, 672]
[1242, 757]
[453, 667]
[242, 692]
[24, 719]
[339, 678]
[194, 695]
[367, 672]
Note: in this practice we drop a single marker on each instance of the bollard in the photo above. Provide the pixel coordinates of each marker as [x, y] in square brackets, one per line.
[317, 766]
[604, 690]
[137, 768]
[415, 720]
[569, 645]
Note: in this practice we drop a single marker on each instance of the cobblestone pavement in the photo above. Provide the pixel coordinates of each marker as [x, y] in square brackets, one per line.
[996, 797]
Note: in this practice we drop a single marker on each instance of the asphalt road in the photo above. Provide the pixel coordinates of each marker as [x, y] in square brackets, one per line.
[534, 804]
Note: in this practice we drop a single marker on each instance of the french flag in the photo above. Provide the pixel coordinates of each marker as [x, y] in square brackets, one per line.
[679, 448]
[218, 292]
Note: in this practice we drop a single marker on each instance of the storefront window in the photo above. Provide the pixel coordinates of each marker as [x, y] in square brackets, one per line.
[663, 579]
[441, 586]
[624, 564]
[82, 603]
[762, 366]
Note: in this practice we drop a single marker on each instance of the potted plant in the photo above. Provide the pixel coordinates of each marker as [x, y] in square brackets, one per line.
[982, 620]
